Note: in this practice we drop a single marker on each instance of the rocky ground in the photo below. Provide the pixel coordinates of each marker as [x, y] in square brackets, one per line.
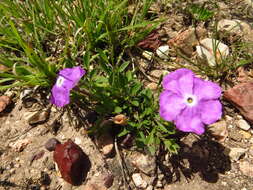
[220, 159]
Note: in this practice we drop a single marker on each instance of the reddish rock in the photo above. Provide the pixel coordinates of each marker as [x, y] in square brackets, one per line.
[4, 102]
[241, 96]
[72, 162]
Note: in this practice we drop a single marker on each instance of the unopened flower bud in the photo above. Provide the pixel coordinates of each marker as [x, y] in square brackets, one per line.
[120, 119]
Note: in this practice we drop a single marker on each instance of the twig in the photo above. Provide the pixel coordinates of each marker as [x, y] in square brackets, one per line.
[126, 184]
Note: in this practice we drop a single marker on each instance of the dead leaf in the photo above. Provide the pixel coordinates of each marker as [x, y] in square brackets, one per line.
[151, 42]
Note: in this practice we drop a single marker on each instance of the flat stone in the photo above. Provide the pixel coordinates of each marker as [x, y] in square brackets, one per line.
[235, 153]
[241, 96]
[144, 163]
[242, 124]
[163, 52]
[246, 168]
[249, 2]
[20, 145]
[36, 117]
[211, 50]
[234, 26]
[138, 181]
[219, 130]
[186, 40]
[148, 55]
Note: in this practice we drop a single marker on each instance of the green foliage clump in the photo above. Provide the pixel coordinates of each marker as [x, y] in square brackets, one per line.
[40, 37]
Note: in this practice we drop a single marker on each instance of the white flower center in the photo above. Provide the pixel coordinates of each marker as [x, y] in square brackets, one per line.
[190, 100]
[60, 81]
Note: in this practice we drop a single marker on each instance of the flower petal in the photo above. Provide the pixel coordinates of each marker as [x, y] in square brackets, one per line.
[179, 81]
[72, 74]
[60, 96]
[170, 105]
[189, 121]
[206, 90]
[211, 111]
[62, 82]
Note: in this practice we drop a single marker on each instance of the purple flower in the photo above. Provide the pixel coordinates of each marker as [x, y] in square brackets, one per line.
[190, 102]
[66, 80]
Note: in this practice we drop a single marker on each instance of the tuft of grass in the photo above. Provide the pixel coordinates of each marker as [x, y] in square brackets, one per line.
[40, 37]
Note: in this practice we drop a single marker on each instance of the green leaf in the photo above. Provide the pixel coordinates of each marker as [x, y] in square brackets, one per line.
[123, 66]
[135, 88]
[117, 109]
[201, 13]
[123, 132]
[135, 103]
[129, 76]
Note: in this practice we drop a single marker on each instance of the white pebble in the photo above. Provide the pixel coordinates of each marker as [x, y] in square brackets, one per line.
[242, 124]
[163, 52]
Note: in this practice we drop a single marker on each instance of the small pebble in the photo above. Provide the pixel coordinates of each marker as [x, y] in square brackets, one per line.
[163, 52]
[148, 55]
[138, 181]
[51, 144]
[78, 141]
[242, 124]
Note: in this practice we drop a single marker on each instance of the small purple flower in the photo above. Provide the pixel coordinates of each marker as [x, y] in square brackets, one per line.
[190, 102]
[66, 80]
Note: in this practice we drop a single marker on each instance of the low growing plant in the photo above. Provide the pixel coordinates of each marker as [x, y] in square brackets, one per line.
[41, 38]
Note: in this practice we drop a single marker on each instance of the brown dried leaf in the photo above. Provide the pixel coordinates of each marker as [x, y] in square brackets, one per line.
[151, 42]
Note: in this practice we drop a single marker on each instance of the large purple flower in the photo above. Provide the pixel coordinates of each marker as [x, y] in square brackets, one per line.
[66, 80]
[189, 101]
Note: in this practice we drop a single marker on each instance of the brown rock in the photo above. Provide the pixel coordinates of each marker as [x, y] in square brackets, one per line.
[36, 117]
[145, 163]
[4, 102]
[246, 168]
[72, 162]
[20, 145]
[219, 130]
[186, 40]
[241, 96]
[108, 180]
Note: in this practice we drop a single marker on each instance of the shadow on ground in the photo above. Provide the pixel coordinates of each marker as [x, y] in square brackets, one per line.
[202, 156]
